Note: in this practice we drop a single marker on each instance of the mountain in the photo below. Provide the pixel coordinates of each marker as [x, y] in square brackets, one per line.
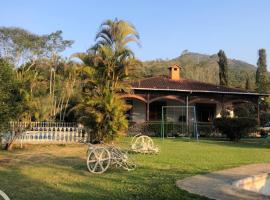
[199, 67]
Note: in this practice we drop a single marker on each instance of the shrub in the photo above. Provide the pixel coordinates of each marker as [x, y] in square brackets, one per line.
[205, 129]
[264, 118]
[263, 133]
[245, 110]
[235, 128]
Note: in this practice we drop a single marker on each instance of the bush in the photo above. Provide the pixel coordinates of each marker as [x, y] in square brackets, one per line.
[263, 133]
[264, 118]
[205, 129]
[235, 128]
[245, 110]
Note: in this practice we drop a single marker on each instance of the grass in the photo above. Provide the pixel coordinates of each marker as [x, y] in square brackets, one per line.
[59, 171]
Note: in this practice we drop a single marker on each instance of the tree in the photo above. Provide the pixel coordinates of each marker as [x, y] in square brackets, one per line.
[106, 65]
[36, 86]
[247, 84]
[20, 46]
[31, 54]
[114, 58]
[11, 102]
[261, 73]
[247, 109]
[223, 68]
[8, 90]
[103, 112]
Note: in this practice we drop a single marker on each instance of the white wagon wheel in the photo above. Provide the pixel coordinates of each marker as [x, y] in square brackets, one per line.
[127, 163]
[135, 137]
[143, 143]
[121, 159]
[98, 160]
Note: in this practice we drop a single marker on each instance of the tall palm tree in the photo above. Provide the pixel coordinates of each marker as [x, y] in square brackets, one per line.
[105, 67]
[111, 50]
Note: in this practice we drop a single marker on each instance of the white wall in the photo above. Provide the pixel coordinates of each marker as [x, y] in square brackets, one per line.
[138, 111]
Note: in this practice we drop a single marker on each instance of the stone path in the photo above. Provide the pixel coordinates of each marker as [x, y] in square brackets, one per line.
[219, 185]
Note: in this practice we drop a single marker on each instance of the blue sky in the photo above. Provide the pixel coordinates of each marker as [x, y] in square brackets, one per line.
[240, 27]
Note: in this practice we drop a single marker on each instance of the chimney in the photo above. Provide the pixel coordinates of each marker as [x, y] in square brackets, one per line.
[174, 72]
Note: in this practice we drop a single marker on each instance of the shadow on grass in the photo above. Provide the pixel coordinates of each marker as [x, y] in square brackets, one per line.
[142, 183]
[20, 187]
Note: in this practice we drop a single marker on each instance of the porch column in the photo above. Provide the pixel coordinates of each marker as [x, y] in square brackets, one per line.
[222, 106]
[258, 111]
[147, 108]
[187, 109]
[187, 117]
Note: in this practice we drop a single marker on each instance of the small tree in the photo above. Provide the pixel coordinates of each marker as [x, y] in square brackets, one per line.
[261, 73]
[11, 104]
[223, 68]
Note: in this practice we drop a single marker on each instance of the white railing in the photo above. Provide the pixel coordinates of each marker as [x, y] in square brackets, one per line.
[50, 132]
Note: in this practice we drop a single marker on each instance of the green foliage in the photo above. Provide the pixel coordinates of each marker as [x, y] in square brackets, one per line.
[103, 113]
[248, 85]
[245, 110]
[261, 73]
[264, 118]
[10, 106]
[20, 46]
[264, 133]
[235, 128]
[265, 104]
[46, 93]
[223, 68]
[46, 81]
[106, 65]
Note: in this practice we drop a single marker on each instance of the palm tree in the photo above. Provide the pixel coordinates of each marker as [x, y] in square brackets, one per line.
[111, 51]
[105, 67]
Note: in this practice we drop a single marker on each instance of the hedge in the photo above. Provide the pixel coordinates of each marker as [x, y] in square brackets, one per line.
[235, 128]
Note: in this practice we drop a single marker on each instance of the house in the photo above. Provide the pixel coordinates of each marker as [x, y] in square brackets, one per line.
[150, 94]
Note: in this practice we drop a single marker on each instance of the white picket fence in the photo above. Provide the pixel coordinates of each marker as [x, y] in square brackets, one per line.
[50, 132]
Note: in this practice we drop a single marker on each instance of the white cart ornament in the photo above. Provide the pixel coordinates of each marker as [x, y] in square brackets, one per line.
[143, 144]
[101, 157]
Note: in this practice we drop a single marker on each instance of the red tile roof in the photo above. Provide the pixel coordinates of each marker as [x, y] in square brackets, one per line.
[165, 83]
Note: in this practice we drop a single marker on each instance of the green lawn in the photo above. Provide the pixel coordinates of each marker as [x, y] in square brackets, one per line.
[59, 172]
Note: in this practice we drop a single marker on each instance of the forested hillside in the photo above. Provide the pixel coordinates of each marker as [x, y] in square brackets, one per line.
[200, 67]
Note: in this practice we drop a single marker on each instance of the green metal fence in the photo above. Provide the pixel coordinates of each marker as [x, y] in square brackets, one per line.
[172, 129]
[205, 129]
[179, 120]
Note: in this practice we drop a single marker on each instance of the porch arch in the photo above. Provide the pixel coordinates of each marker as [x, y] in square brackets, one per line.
[137, 112]
[133, 96]
[168, 97]
[206, 108]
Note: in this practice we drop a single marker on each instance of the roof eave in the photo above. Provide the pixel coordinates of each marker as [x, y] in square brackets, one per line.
[201, 91]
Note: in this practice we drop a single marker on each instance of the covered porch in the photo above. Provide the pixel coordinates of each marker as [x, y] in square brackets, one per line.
[146, 108]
